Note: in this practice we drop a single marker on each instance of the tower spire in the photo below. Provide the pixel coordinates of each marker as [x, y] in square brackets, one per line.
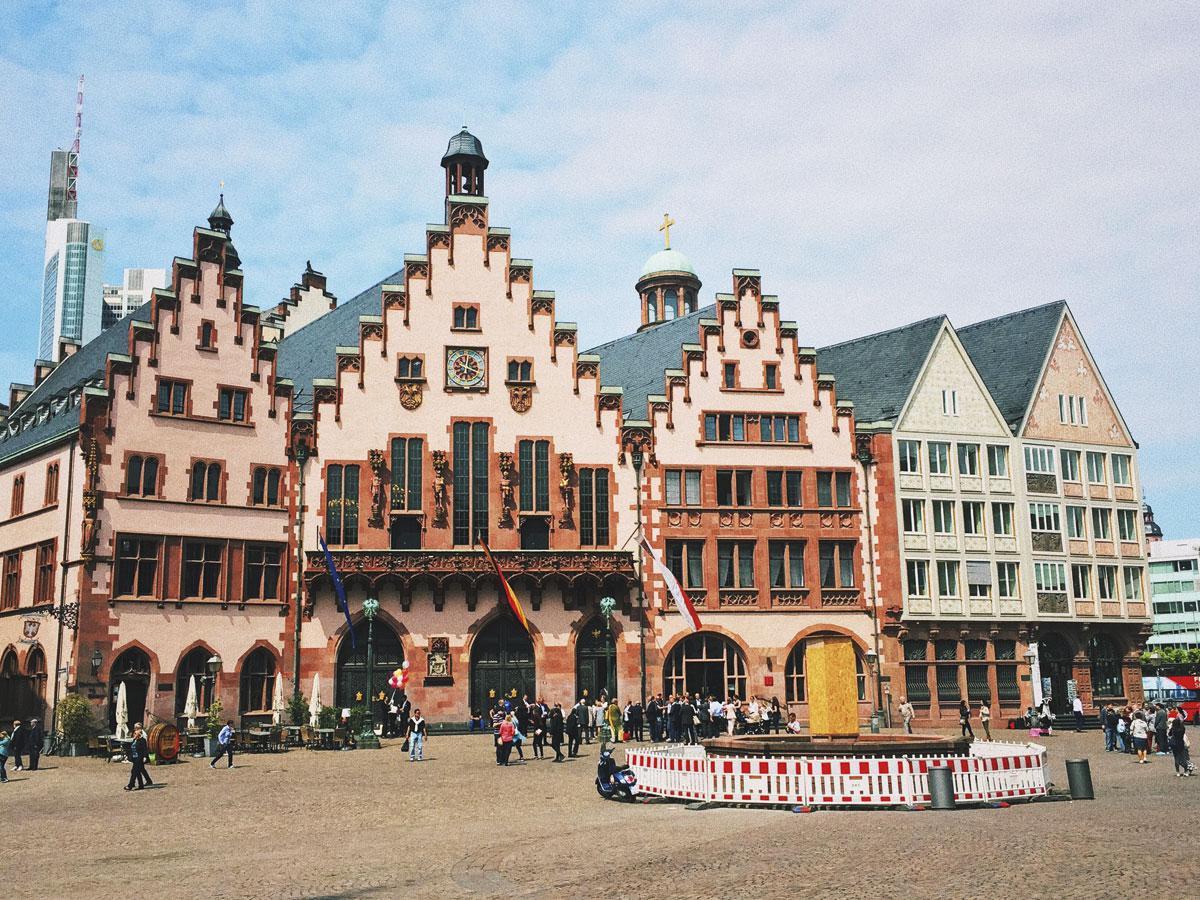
[73, 155]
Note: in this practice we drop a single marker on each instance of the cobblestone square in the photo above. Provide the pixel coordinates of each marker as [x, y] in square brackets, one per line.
[372, 824]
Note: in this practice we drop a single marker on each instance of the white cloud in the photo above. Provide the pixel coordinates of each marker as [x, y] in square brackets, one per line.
[878, 163]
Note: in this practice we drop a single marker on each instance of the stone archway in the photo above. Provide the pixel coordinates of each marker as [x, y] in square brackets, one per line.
[502, 664]
[351, 676]
[595, 655]
[132, 668]
[1056, 662]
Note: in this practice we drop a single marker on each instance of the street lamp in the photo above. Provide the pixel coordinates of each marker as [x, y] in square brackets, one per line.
[97, 662]
[873, 668]
[367, 739]
[607, 605]
[637, 458]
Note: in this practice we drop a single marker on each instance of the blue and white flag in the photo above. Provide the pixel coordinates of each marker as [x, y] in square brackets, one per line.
[339, 589]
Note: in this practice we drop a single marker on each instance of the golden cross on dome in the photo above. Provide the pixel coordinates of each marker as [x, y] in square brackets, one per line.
[665, 228]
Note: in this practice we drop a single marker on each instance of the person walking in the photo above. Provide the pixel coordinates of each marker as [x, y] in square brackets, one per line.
[1140, 731]
[556, 732]
[224, 745]
[985, 718]
[1077, 709]
[1178, 740]
[1160, 728]
[16, 741]
[964, 719]
[37, 736]
[906, 713]
[416, 734]
[575, 726]
[139, 752]
[5, 746]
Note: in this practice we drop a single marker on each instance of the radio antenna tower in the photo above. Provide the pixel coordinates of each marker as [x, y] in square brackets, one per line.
[73, 156]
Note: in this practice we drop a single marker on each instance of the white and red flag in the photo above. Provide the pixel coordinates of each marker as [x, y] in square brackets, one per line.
[682, 602]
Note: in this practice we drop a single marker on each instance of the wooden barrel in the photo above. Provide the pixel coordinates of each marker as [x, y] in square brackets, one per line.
[164, 742]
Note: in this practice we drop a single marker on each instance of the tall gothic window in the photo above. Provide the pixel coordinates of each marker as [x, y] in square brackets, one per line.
[593, 507]
[470, 481]
[341, 505]
[406, 473]
[533, 466]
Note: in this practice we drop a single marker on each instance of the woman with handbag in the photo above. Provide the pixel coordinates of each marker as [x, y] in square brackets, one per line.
[1178, 741]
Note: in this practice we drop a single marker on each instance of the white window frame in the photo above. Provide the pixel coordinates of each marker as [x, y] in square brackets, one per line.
[947, 572]
[1050, 577]
[1077, 515]
[940, 507]
[1138, 592]
[1003, 525]
[1071, 470]
[918, 525]
[1008, 580]
[997, 453]
[943, 448]
[917, 570]
[1042, 515]
[949, 402]
[1101, 514]
[1085, 571]
[1130, 516]
[971, 457]
[909, 455]
[1103, 471]
[1105, 589]
[1039, 459]
[974, 525]
[1123, 462]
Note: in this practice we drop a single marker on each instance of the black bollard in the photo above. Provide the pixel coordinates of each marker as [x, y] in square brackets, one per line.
[941, 787]
[1079, 779]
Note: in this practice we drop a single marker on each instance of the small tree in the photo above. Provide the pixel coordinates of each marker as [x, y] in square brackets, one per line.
[215, 713]
[75, 718]
[298, 709]
[327, 717]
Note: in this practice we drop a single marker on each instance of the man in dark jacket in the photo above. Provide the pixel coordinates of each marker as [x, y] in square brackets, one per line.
[654, 719]
[556, 731]
[16, 743]
[574, 727]
[1160, 729]
[37, 737]
[637, 730]
[675, 720]
[139, 752]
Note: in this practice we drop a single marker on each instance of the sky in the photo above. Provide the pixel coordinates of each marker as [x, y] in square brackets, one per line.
[879, 163]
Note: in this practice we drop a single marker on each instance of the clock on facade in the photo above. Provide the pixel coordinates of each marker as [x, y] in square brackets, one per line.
[466, 368]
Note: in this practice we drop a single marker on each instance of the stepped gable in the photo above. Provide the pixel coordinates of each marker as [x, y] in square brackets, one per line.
[309, 352]
[1010, 352]
[877, 372]
[85, 366]
[637, 362]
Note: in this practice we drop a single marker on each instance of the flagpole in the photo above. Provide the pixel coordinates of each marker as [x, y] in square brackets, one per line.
[637, 459]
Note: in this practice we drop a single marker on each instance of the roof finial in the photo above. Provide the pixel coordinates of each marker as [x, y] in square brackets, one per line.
[665, 228]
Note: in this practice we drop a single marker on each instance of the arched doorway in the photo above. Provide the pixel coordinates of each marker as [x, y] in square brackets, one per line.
[35, 672]
[133, 669]
[194, 664]
[502, 665]
[11, 684]
[706, 664]
[1106, 668]
[594, 650]
[351, 676]
[256, 683]
[1054, 660]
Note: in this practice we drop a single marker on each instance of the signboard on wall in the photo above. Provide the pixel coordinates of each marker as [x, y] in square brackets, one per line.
[1072, 690]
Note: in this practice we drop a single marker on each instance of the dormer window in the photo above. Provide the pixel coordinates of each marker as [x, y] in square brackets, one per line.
[411, 367]
[208, 336]
[520, 371]
[466, 317]
[771, 376]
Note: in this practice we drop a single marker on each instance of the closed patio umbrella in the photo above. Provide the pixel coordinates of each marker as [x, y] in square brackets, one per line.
[314, 703]
[191, 708]
[277, 702]
[122, 712]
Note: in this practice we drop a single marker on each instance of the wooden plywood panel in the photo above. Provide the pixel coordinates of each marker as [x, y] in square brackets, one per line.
[832, 689]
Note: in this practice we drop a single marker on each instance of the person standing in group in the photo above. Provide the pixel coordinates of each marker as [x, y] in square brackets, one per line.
[1178, 741]
[537, 721]
[612, 717]
[1108, 719]
[636, 721]
[1160, 728]
[964, 719]
[575, 727]
[556, 731]
[139, 752]
[508, 729]
[37, 737]
[775, 715]
[906, 713]
[5, 745]
[1140, 731]
[416, 734]
[224, 746]
[985, 718]
[687, 720]
[1077, 709]
[16, 742]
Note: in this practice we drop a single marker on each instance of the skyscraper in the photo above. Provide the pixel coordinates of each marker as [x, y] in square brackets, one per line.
[134, 290]
[73, 265]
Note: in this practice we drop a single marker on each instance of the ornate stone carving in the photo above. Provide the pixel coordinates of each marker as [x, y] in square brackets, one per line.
[90, 527]
[674, 518]
[776, 520]
[564, 337]
[725, 518]
[394, 300]
[520, 274]
[378, 493]
[520, 397]
[541, 305]
[440, 469]
[416, 270]
[566, 489]
[371, 330]
[504, 462]
[439, 239]
[464, 213]
[350, 363]
[744, 283]
[497, 242]
[324, 394]
[411, 394]
[745, 519]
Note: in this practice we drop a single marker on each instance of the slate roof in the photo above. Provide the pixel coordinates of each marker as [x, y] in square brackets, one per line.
[464, 144]
[1009, 353]
[86, 365]
[638, 362]
[309, 352]
[877, 372]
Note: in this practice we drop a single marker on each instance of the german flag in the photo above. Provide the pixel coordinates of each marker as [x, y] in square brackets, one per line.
[513, 603]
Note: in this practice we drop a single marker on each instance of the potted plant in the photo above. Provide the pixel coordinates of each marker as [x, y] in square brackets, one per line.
[214, 725]
[298, 709]
[75, 723]
[327, 717]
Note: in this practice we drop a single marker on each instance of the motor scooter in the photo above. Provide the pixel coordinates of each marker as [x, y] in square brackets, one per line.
[614, 782]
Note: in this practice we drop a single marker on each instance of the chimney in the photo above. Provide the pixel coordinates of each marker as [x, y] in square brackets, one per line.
[17, 394]
[66, 347]
[41, 369]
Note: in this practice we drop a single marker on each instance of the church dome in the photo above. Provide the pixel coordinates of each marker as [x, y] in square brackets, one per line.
[667, 261]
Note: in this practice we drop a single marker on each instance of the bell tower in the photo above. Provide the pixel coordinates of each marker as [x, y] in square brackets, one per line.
[668, 286]
[464, 163]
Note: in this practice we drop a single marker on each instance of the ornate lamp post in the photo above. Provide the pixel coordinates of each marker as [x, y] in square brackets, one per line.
[301, 459]
[367, 739]
[637, 458]
[607, 604]
[212, 666]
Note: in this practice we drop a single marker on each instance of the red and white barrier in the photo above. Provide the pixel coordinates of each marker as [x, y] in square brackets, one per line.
[993, 771]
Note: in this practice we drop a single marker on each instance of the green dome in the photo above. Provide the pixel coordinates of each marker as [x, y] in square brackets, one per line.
[667, 261]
